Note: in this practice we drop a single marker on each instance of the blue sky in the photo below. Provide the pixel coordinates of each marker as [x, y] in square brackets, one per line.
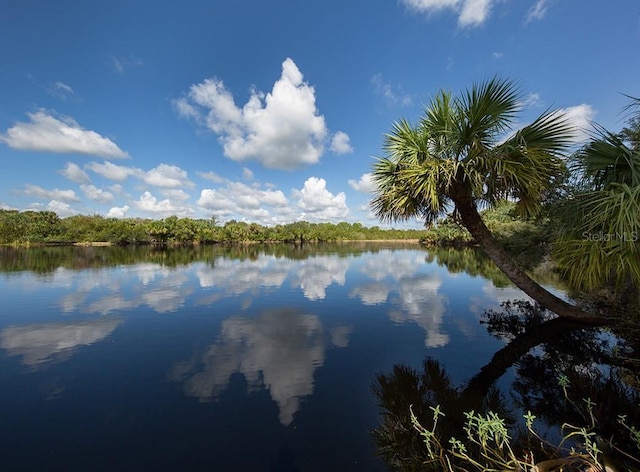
[271, 111]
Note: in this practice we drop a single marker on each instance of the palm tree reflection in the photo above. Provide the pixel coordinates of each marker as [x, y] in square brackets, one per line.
[560, 366]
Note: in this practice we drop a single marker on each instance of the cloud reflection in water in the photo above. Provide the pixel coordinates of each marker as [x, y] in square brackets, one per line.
[38, 343]
[278, 350]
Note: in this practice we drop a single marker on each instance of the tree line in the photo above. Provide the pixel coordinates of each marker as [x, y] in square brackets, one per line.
[46, 227]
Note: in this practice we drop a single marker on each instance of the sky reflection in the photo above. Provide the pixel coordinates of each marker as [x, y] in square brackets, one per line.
[279, 350]
[39, 343]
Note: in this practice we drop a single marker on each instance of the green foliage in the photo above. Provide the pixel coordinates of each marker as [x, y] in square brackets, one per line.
[524, 239]
[598, 230]
[31, 227]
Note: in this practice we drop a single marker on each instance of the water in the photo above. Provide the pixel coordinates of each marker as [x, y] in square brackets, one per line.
[236, 358]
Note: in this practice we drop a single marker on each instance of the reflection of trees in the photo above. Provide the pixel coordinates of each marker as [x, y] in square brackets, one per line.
[406, 390]
[469, 260]
[278, 350]
[584, 359]
[44, 260]
[38, 343]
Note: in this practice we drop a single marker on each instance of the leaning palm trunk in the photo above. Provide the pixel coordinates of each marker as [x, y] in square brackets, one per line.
[473, 222]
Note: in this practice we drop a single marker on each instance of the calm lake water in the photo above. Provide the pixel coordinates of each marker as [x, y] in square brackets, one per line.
[213, 359]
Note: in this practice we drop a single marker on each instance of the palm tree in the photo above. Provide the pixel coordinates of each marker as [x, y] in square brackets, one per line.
[599, 241]
[456, 158]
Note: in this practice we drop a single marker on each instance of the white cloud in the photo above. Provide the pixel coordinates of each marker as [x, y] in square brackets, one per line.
[111, 171]
[581, 118]
[167, 176]
[247, 174]
[281, 130]
[538, 11]
[96, 194]
[364, 185]
[474, 12]
[116, 188]
[532, 99]
[175, 194]
[246, 203]
[61, 208]
[47, 133]
[470, 12]
[340, 143]
[497, 55]
[56, 194]
[166, 207]
[74, 173]
[212, 176]
[318, 203]
[393, 96]
[118, 212]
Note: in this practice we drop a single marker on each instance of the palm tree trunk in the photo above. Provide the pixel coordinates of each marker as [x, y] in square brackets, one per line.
[549, 331]
[473, 222]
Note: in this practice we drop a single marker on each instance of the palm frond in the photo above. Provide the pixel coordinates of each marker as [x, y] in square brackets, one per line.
[485, 111]
[591, 262]
[607, 159]
[551, 132]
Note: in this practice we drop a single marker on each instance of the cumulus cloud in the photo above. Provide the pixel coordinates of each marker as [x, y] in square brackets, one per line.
[340, 143]
[240, 200]
[74, 173]
[96, 194]
[118, 212]
[392, 95]
[167, 176]
[469, 12]
[150, 204]
[47, 133]
[175, 194]
[61, 208]
[111, 171]
[55, 194]
[364, 185]
[317, 203]
[281, 129]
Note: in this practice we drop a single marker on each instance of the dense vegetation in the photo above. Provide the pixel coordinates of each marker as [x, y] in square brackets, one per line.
[45, 227]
